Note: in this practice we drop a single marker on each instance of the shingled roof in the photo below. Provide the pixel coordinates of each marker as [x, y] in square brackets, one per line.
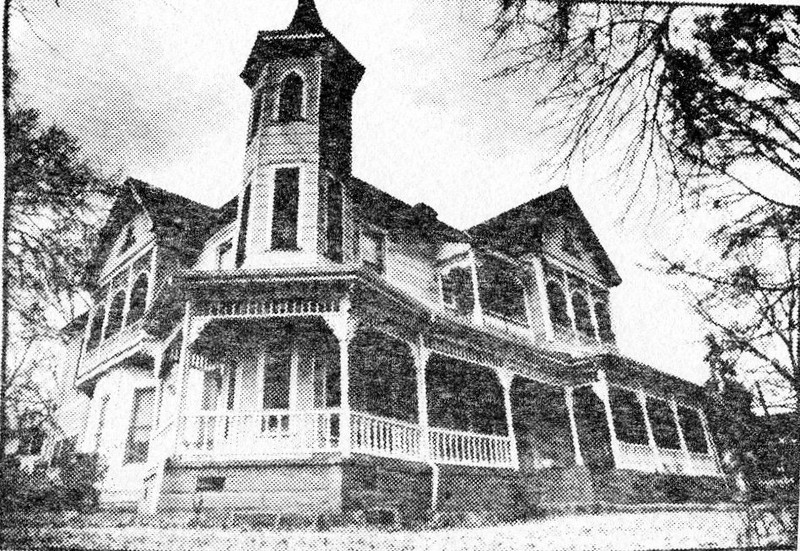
[178, 222]
[519, 230]
[386, 211]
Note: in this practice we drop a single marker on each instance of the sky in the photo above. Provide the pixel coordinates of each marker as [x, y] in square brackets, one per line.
[151, 89]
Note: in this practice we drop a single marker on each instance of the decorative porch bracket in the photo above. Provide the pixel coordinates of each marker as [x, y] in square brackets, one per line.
[600, 388]
[506, 377]
[684, 448]
[343, 327]
[651, 439]
[573, 425]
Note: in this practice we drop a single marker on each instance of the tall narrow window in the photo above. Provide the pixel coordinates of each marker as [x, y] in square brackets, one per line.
[334, 220]
[692, 428]
[284, 212]
[141, 422]
[138, 299]
[276, 379]
[457, 289]
[223, 255]
[241, 246]
[558, 305]
[96, 331]
[114, 323]
[290, 107]
[129, 240]
[255, 120]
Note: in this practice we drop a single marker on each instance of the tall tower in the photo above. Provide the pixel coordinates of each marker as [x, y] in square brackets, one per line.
[293, 202]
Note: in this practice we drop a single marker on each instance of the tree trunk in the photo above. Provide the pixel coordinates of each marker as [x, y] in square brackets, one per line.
[6, 211]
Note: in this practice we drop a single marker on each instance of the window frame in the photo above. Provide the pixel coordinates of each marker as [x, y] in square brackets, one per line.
[106, 334]
[128, 320]
[555, 323]
[379, 265]
[299, 115]
[295, 169]
[584, 325]
[132, 456]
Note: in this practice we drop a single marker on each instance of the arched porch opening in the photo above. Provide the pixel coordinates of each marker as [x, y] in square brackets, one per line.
[541, 425]
[594, 435]
[464, 397]
[383, 376]
[263, 387]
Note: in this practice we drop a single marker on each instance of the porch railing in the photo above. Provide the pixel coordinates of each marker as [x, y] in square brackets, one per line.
[386, 437]
[636, 456]
[253, 434]
[468, 448]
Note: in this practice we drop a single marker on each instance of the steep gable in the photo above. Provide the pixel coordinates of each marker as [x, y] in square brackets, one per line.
[522, 229]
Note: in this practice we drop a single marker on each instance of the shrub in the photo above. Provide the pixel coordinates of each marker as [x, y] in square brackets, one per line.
[73, 485]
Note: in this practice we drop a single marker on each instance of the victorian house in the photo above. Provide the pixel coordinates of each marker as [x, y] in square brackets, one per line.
[317, 346]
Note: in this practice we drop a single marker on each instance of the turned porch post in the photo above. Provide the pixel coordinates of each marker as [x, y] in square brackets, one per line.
[506, 377]
[687, 458]
[651, 439]
[576, 444]
[183, 374]
[601, 389]
[421, 358]
[343, 328]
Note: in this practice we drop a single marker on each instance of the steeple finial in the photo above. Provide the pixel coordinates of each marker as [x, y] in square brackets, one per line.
[306, 18]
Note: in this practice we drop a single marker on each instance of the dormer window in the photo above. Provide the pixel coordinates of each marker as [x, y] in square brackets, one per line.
[114, 323]
[457, 289]
[372, 249]
[290, 106]
[603, 321]
[558, 305]
[129, 239]
[96, 330]
[568, 243]
[501, 292]
[583, 316]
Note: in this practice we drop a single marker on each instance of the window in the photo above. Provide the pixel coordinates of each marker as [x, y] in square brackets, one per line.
[138, 301]
[210, 484]
[568, 244]
[223, 254]
[628, 416]
[662, 420]
[276, 379]
[212, 386]
[129, 240]
[284, 212]
[255, 119]
[692, 428]
[501, 293]
[603, 321]
[558, 305]
[141, 423]
[372, 249]
[333, 220]
[96, 331]
[457, 289]
[290, 107]
[101, 422]
[114, 323]
[583, 317]
[244, 215]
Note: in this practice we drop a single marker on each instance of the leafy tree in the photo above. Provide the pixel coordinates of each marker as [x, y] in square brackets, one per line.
[53, 204]
[689, 91]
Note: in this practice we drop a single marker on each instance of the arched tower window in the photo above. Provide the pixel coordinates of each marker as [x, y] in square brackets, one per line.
[138, 298]
[115, 314]
[290, 106]
[583, 317]
[558, 305]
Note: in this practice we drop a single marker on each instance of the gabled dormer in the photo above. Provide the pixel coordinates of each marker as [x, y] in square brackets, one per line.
[573, 272]
[293, 205]
[149, 235]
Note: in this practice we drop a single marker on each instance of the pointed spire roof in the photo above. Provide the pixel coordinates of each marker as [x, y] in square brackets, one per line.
[306, 18]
